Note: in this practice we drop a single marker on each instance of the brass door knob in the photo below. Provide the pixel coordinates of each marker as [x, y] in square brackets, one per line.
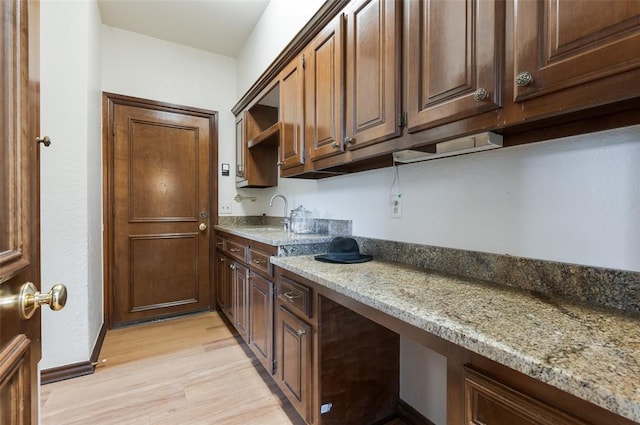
[30, 299]
[202, 227]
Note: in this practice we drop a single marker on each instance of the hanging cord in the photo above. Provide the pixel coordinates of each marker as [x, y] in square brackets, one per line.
[395, 183]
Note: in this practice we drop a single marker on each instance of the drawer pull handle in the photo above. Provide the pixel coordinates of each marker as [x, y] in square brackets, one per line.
[232, 266]
[234, 249]
[301, 332]
[219, 243]
[290, 296]
[259, 261]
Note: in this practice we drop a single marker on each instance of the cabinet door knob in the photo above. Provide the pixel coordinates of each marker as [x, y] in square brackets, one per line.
[349, 141]
[335, 145]
[480, 94]
[301, 332]
[524, 79]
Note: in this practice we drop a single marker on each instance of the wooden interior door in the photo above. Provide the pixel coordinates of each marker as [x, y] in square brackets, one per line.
[19, 208]
[160, 191]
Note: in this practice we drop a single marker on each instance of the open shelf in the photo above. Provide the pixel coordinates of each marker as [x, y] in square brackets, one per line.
[269, 137]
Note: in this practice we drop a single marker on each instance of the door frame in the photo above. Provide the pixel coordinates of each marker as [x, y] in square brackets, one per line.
[109, 100]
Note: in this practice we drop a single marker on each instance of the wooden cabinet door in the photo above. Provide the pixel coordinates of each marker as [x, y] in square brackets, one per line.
[567, 43]
[373, 77]
[323, 91]
[241, 178]
[453, 60]
[294, 361]
[261, 319]
[240, 299]
[223, 282]
[292, 116]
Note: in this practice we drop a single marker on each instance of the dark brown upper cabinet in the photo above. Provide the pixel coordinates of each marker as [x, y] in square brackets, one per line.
[257, 140]
[572, 55]
[324, 64]
[291, 110]
[372, 72]
[454, 52]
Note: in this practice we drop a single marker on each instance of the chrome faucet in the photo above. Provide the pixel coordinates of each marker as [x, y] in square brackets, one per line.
[285, 221]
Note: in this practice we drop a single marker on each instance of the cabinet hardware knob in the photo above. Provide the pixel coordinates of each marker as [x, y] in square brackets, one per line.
[258, 261]
[335, 145]
[480, 94]
[232, 266]
[301, 332]
[219, 243]
[221, 260]
[279, 163]
[524, 79]
[349, 141]
[234, 249]
[46, 141]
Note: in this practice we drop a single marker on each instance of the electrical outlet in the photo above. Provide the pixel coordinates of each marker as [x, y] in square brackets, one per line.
[396, 206]
[224, 208]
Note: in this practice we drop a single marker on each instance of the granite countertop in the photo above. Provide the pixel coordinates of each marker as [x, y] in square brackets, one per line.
[592, 353]
[274, 235]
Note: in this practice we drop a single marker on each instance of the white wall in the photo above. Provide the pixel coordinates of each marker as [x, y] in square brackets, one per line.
[70, 178]
[279, 24]
[146, 67]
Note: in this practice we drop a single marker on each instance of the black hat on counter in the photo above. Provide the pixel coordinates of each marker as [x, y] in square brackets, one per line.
[343, 250]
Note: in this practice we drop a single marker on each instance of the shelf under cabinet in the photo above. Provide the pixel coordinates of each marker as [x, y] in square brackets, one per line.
[269, 137]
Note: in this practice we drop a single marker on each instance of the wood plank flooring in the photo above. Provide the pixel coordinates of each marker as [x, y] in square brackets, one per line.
[185, 371]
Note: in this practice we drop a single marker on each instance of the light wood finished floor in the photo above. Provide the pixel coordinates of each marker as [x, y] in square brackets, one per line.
[185, 371]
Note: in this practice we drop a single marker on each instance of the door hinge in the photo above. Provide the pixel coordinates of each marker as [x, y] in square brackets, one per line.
[304, 61]
[274, 364]
[304, 156]
[403, 120]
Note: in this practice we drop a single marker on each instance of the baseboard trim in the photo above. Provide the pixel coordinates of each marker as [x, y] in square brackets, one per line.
[411, 415]
[69, 371]
[75, 370]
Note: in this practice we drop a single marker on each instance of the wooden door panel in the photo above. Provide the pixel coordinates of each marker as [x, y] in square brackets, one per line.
[161, 179]
[164, 271]
[160, 174]
[240, 299]
[20, 349]
[567, 43]
[323, 91]
[373, 75]
[454, 49]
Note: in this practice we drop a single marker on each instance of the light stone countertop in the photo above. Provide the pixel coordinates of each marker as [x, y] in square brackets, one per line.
[272, 235]
[588, 352]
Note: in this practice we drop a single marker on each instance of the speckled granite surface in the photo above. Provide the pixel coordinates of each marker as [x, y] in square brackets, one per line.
[593, 285]
[592, 353]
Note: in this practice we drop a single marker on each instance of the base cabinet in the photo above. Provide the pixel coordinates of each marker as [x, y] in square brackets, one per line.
[294, 361]
[261, 320]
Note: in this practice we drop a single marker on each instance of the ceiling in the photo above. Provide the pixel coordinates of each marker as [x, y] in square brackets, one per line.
[218, 26]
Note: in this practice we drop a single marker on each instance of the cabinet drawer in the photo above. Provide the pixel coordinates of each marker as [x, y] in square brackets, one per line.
[491, 403]
[236, 249]
[295, 295]
[259, 262]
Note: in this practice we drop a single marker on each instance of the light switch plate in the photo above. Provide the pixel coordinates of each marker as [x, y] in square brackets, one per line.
[224, 208]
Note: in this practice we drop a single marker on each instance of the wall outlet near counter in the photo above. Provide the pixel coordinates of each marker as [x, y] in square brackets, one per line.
[224, 208]
[396, 205]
